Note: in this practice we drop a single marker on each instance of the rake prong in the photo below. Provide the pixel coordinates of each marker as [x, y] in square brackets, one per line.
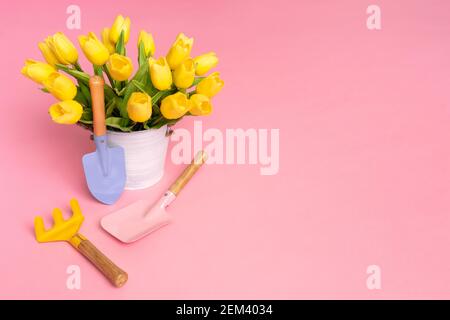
[62, 230]
[57, 216]
[75, 207]
[39, 228]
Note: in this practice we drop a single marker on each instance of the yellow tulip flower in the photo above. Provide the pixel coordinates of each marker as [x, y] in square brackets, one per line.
[175, 106]
[47, 53]
[94, 49]
[107, 42]
[120, 24]
[60, 86]
[120, 67]
[37, 71]
[211, 85]
[139, 107]
[200, 105]
[147, 40]
[184, 74]
[205, 62]
[160, 73]
[66, 112]
[180, 50]
[62, 48]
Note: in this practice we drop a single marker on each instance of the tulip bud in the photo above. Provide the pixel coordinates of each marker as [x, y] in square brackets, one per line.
[205, 62]
[107, 42]
[120, 24]
[184, 74]
[93, 49]
[66, 112]
[37, 71]
[60, 86]
[62, 48]
[139, 107]
[175, 106]
[160, 73]
[120, 67]
[147, 40]
[47, 53]
[180, 50]
[211, 85]
[200, 105]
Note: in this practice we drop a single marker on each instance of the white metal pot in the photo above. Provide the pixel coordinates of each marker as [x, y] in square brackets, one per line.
[145, 155]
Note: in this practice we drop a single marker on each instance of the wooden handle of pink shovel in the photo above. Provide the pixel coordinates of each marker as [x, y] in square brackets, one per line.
[188, 173]
[115, 275]
[96, 84]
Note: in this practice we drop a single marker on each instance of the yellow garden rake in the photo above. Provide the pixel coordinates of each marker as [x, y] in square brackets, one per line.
[67, 230]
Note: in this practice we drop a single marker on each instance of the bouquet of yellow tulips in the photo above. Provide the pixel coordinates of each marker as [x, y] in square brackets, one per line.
[161, 92]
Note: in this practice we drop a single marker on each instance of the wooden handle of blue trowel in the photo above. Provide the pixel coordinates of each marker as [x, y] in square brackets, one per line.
[188, 173]
[97, 84]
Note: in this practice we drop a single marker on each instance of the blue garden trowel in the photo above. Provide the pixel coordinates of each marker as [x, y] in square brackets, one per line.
[105, 168]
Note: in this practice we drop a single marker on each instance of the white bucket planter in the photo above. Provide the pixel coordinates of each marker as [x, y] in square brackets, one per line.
[145, 155]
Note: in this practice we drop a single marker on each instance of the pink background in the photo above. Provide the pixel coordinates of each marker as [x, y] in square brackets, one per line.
[364, 175]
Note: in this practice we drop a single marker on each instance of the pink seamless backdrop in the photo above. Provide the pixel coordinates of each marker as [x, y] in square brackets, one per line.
[364, 155]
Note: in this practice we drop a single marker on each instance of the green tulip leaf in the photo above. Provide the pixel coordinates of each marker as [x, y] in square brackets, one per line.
[110, 106]
[155, 110]
[122, 124]
[197, 80]
[130, 88]
[109, 93]
[161, 95]
[123, 104]
[81, 98]
[147, 82]
[140, 86]
[86, 93]
[142, 57]
[142, 72]
[120, 46]
[80, 76]
[164, 122]
[87, 116]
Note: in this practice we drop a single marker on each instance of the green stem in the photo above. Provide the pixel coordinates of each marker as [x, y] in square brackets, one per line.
[108, 74]
[78, 67]
[156, 120]
[79, 75]
[157, 96]
[98, 71]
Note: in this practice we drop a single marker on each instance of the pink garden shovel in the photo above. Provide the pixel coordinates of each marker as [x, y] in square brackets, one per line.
[140, 218]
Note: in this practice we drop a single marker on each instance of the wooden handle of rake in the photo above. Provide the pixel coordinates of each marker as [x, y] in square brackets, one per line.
[115, 275]
[187, 174]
